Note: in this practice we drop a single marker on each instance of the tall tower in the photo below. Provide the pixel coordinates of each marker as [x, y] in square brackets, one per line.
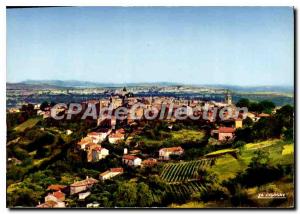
[228, 98]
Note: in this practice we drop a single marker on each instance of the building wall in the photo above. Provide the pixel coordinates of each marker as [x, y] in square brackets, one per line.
[137, 162]
[60, 204]
[238, 124]
[223, 136]
[77, 189]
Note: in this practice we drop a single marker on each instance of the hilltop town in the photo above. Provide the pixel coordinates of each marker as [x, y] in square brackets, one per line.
[136, 162]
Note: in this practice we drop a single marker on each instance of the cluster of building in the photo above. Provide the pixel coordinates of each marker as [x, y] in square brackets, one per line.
[55, 198]
[57, 193]
[92, 143]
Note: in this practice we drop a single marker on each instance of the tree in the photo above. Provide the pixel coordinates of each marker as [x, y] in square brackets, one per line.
[267, 128]
[126, 194]
[44, 105]
[260, 158]
[238, 144]
[244, 134]
[247, 121]
[144, 195]
[267, 106]
[286, 116]
[243, 103]
[256, 107]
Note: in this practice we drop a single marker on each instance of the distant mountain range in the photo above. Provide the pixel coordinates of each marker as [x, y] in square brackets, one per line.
[88, 84]
[40, 84]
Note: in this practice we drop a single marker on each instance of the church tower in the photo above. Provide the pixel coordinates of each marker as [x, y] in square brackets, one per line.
[228, 98]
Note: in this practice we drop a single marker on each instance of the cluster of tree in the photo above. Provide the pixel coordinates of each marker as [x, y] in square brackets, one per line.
[264, 106]
[31, 189]
[13, 119]
[279, 124]
[259, 172]
[120, 192]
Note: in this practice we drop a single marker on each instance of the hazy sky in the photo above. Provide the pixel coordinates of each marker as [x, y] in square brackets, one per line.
[201, 45]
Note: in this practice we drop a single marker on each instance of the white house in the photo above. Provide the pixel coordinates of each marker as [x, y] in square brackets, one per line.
[93, 205]
[99, 153]
[131, 160]
[83, 195]
[116, 137]
[82, 185]
[110, 173]
[54, 200]
[165, 153]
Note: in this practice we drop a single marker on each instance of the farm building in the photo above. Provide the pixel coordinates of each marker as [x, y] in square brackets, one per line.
[164, 153]
[110, 173]
[131, 160]
[225, 133]
[83, 185]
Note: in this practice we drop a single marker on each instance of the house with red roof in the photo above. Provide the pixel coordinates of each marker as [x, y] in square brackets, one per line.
[164, 153]
[80, 186]
[59, 195]
[56, 187]
[112, 172]
[116, 137]
[99, 136]
[131, 160]
[149, 162]
[83, 142]
[225, 133]
[54, 200]
[99, 153]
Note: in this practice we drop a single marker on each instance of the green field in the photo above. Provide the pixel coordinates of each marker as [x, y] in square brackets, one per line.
[288, 149]
[188, 135]
[222, 152]
[30, 123]
[173, 137]
[260, 145]
[227, 166]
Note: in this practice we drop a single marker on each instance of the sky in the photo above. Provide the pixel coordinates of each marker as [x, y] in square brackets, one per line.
[189, 45]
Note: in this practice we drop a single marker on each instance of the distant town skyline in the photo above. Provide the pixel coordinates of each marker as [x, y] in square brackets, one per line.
[249, 46]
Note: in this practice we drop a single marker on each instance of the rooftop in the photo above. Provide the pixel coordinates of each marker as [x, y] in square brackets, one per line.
[87, 181]
[172, 149]
[130, 157]
[226, 130]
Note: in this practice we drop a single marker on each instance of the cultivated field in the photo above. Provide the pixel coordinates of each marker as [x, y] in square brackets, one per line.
[186, 171]
[30, 123]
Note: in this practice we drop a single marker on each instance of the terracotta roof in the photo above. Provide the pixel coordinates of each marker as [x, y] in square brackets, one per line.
[85, 140]
[129, 157]
[136, 151]
[105, 173]
[122, 131]
[226, 130]
[48, 204]
[91, 145]
[149, 162]
[59, 195]
[87, 181]
[116, 135]
[119, 169]
[264, 115]
[172, 149]
[56, 187]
